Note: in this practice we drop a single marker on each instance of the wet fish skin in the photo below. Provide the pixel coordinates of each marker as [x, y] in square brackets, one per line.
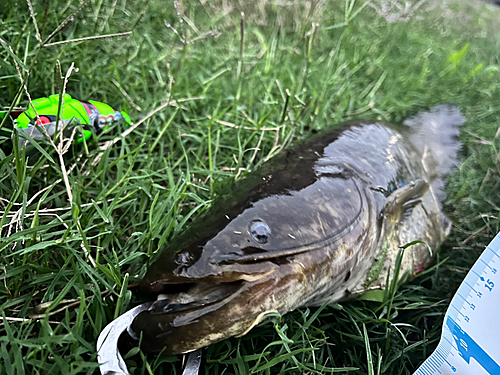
[336, 206]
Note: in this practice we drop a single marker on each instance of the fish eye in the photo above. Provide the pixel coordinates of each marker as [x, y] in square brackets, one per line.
[260, 231]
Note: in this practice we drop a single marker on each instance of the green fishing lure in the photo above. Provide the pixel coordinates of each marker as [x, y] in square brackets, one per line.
[40, 120]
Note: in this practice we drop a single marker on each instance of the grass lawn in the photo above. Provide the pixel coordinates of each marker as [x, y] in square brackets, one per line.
[231, 91]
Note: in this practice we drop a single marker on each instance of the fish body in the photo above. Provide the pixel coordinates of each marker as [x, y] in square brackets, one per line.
[321, 222]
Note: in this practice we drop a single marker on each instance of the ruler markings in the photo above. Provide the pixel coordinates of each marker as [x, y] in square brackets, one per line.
[470, 322]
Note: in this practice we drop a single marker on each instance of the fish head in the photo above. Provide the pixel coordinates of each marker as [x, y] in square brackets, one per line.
[254, 253]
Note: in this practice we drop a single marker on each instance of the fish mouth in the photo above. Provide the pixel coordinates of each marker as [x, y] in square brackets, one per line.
[192, 315]
[191, 296]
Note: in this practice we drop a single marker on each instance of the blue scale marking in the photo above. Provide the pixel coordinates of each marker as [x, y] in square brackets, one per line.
[468, 348]
[466, 283]
[495, 254]
[435, 361]
[458, 309]
[486, 264]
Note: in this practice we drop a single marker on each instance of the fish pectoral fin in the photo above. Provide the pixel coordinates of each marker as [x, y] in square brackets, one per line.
[402, 201]
[408, 207]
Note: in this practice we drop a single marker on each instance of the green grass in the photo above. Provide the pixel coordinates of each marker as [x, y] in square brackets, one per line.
[65, 265]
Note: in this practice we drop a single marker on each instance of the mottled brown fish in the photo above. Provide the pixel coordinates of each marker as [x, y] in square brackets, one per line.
[322, 221]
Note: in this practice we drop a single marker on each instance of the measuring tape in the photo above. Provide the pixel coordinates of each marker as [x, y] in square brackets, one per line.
[470, 341]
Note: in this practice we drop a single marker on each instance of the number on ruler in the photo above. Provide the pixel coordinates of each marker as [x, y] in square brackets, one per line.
[489, 285]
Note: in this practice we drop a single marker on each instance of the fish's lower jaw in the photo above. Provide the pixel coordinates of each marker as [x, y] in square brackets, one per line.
[179, 323]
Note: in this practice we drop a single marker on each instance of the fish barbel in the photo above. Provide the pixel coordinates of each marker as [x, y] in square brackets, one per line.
[321, 222]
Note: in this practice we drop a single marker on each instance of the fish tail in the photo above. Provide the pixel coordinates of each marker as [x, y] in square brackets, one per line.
[434, 133]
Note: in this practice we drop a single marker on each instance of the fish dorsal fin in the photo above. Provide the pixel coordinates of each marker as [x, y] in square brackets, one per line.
[401, 202]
